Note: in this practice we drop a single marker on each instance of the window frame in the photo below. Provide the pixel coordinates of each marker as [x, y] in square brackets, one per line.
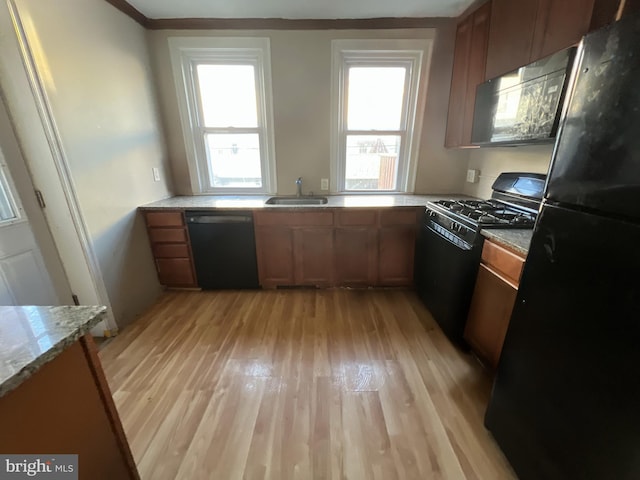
[9, 191]
[189, 52]
[415, 55]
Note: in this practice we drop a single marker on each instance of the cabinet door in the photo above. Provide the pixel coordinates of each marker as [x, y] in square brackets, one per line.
[477, 63]
[489, 314]
[395, 255]
[175, 272]
[356, 258]
[313, 256]
[457, 96]
[274, 247]
[560, 24]
[510, 35]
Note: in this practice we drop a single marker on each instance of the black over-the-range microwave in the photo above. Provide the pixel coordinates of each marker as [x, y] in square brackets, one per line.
[523, 106]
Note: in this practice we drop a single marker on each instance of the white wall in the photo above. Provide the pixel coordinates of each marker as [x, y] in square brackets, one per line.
[493, 161]
[94, 63]
[301, 77]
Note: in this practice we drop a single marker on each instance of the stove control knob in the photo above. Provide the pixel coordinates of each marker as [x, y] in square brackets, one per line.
[432, 213]
[456, 227]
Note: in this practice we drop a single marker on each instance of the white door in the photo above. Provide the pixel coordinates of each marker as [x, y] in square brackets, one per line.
[24, 279]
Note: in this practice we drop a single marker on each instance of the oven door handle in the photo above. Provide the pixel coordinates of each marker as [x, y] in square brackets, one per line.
[462, 246]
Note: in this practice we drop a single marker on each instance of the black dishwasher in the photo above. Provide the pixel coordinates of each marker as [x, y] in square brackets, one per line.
[224, 249]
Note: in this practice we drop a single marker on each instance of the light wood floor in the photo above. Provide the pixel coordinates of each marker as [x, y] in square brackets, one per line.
[312, 384]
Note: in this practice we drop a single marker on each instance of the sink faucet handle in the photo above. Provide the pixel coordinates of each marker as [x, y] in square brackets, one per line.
[299, 181]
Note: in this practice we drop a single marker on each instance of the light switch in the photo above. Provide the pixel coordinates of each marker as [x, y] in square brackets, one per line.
[324, 184]
[156, 174]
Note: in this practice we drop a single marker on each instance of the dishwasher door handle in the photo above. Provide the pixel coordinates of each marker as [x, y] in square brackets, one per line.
[219, 219]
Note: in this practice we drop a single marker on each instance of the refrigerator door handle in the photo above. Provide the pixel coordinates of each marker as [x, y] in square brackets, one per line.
[550, 247]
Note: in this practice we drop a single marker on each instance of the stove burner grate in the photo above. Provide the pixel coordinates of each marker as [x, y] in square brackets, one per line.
[487, 212]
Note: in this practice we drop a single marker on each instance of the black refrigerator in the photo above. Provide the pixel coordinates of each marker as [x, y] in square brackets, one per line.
[566, 398]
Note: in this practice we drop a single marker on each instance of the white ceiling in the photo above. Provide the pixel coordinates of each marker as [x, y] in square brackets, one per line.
[316, 9]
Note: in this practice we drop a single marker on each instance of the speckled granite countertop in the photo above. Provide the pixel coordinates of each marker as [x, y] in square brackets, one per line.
[33, 336]
[516, 239]
[257, 201]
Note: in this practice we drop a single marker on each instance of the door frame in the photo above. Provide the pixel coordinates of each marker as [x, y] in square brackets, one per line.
[20, 190]
[32, 117]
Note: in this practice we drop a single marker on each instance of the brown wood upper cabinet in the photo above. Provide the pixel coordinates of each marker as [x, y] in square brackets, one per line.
[528, 30]
[469, 61]
[503, 35]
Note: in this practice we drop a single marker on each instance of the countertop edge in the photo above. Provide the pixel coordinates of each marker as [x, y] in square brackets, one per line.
[504, 238]
[18, 378]
[257, 202]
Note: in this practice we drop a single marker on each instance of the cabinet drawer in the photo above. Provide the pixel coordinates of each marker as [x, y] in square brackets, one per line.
[171, 250]
[349, 218]
[168, 235]
[164, 219]
[295, 219]
[175, 272]
[505, 262]
[399, 217]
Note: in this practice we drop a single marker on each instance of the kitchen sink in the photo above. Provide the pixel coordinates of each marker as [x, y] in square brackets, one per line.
[297, 201]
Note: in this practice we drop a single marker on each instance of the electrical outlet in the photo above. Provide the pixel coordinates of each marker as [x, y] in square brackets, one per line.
[156, 174]
[324, 184]
[473, 175]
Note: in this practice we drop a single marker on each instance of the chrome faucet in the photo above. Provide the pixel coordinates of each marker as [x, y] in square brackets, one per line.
[299, 187]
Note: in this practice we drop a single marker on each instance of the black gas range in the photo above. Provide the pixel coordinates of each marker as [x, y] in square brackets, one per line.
[449, 244]
[508, 207]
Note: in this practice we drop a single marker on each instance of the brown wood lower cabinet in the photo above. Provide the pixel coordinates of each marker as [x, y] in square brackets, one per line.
[313, 247]
[274, 247]
[396, 245]
[67, 407]
[356, 247]
[175, 271]
[493, 299]
[336, 247]
[171, 248]
[313, 252]
[294, 247]
[356, 256]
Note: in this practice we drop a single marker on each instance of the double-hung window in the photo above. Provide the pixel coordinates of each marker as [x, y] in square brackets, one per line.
[224, 93]
[376, 113]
